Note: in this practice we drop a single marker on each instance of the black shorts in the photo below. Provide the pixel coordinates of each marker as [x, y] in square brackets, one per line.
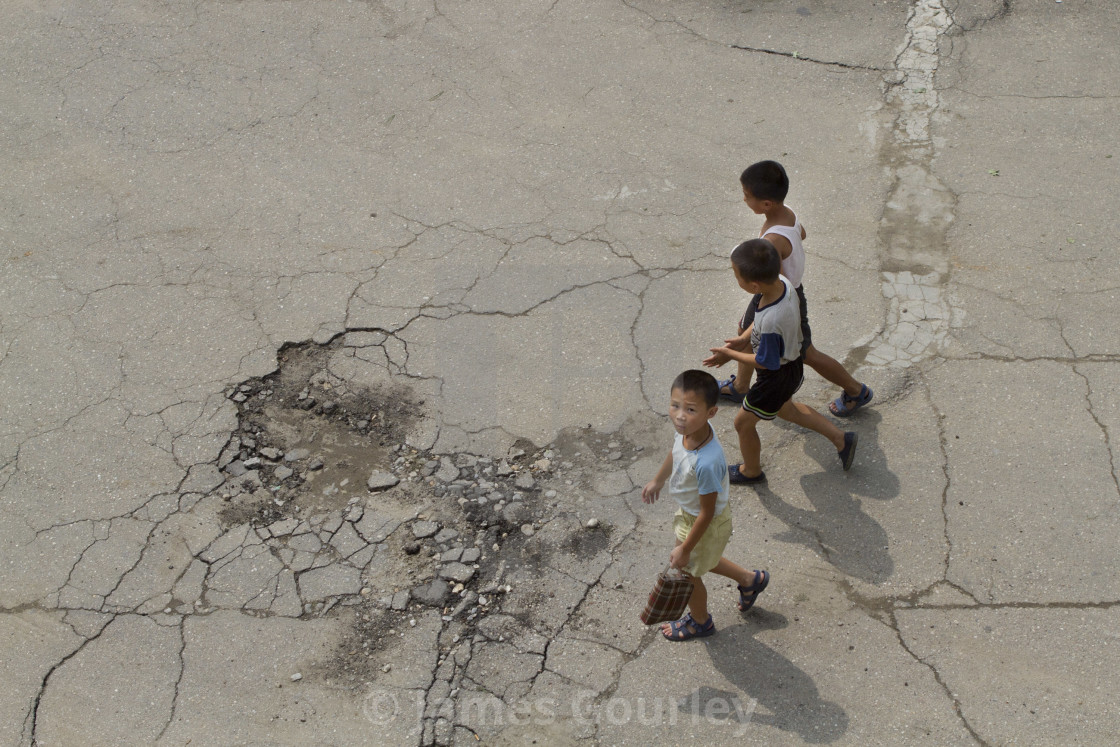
[806, 333]
[772, 389]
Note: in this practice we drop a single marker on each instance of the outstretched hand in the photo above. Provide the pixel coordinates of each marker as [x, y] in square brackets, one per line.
[716, 359]
[717, 353]
[721, 355]
[738, 343]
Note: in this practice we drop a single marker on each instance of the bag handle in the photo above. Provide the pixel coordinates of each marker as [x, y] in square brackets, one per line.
[670, 570]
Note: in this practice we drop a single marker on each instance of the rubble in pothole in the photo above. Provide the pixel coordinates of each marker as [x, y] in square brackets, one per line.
[324, 507]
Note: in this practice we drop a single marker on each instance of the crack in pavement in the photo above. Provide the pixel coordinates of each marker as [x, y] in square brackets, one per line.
[32, 721]
[943, 445]
[956, 703]
[178, 680]
[1103, 428]
[802, 58]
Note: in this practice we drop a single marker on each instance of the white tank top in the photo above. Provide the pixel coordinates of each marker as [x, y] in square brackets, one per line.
[793, 266]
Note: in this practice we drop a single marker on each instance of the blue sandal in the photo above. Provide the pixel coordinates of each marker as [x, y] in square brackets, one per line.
[748, 594]
[686, 628]
[848, 453]
[736, 477]
[845, 404]
[732, 393]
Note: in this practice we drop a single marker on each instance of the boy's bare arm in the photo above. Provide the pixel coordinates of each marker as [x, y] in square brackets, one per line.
[781, 243]
[681, 554]
[652, 490]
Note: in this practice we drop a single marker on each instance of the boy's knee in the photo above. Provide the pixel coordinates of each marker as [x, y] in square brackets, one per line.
[745, 420]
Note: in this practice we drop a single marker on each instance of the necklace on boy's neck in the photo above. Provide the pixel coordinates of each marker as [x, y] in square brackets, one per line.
[707, 438]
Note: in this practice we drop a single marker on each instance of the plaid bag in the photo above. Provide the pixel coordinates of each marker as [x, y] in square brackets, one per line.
[669, 597]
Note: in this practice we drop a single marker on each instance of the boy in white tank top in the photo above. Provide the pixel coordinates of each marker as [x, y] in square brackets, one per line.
[765, 185]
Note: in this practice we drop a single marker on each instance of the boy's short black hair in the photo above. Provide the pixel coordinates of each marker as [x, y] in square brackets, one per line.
[766, 180]
[699, 382]
[757, 261]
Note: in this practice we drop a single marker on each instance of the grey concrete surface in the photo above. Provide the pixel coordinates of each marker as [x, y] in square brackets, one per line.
[282, 283]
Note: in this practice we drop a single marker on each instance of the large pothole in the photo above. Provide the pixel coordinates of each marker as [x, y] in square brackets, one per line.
[307, 442]
[324, 506]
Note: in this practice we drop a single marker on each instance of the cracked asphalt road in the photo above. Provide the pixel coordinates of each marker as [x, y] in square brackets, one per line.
[334, 340]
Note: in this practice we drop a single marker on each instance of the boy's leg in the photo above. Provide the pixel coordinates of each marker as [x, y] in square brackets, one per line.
[750, 583]
[750, 446]
[743, 372]
[735, 572]
[697, 610]
[742, 383]
[698, 602]
[832, 370]
[828, 367]
[801, 414]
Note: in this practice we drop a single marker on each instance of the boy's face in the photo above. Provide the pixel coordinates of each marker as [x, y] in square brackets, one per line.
[757, 206]
[689, 412]
[748, 285]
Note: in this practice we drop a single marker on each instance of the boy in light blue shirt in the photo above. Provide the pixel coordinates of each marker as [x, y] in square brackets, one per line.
[696, 471]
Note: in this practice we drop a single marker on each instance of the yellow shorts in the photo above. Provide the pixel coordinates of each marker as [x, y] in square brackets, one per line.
[705, 556]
